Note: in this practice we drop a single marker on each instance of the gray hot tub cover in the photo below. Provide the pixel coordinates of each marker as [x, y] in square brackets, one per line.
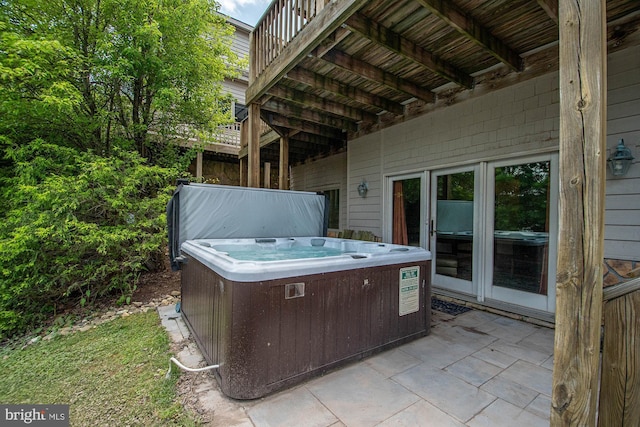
[206, 211]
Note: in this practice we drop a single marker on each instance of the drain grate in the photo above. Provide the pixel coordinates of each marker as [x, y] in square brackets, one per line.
[448, 307]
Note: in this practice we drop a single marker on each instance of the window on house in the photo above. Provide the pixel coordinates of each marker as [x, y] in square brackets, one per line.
[240, 112]
[334, 208]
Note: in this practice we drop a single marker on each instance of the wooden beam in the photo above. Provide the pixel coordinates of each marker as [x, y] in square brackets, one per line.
[266, 142]
[475, 32]
[269, 137]
[330, 18]
[211, 148]
[306, 114]
[310, 139]
[312, 101]
[395, 42]
[551, 7]
[583, 102]
[377, 75]
[253, 161]
[283, 172]
[336, 87]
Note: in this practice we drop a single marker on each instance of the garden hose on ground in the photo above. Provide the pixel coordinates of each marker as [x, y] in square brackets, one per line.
[184, 368]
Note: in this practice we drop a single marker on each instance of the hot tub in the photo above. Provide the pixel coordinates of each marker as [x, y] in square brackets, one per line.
[272, 309]
[275, 311]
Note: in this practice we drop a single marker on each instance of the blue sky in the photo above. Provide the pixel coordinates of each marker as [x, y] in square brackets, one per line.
[247, 11]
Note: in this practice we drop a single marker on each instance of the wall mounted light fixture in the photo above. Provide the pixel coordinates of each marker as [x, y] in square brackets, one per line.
[620, 160]
[363, 188]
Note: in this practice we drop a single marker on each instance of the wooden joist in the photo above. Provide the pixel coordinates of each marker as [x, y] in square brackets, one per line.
[298, 111]
[304, 126]
[318, 81]
[311, 101]
[406, 48]
[463, 23]
[551, 7]
[378, 75]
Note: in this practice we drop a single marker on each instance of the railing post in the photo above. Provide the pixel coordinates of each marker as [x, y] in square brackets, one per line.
[620, 382]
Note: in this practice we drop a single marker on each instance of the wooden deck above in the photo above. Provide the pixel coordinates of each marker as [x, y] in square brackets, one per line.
[326, 73]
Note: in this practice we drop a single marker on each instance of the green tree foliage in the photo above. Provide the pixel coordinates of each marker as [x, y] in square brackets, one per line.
[94, 96]
[99, 73]
[457, 186]
[76, 225]
[522, 193]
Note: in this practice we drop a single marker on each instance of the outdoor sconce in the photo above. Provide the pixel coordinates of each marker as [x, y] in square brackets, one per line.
[620, 160]
[363, 188]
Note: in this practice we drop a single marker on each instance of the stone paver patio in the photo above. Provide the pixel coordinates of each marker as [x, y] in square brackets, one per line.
[474, 369]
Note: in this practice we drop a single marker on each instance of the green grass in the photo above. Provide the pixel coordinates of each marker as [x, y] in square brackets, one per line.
[113, 374]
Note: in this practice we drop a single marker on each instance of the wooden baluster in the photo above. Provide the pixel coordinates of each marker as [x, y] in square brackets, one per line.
[296, 17]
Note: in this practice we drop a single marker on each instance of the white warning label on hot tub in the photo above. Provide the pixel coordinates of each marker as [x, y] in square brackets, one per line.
[409, 301]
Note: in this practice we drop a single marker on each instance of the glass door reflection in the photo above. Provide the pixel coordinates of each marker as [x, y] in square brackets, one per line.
[521, 227]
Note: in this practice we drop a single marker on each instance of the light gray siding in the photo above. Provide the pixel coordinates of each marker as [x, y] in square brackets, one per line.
[237, 88]
[622, 216]
[516, 120]
[240, 46]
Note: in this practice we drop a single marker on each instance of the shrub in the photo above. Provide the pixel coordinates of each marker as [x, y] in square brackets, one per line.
[75, 226]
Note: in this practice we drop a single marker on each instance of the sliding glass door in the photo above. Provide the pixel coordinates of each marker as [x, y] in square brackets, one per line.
[521, 217]
[492, 228]
[453, 229]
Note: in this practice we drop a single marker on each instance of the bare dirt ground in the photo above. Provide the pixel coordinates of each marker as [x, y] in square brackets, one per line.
[156, 285]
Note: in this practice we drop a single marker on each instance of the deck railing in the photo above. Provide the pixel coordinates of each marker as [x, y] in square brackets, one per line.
[229, 134]
[620, 381]
[282, 22]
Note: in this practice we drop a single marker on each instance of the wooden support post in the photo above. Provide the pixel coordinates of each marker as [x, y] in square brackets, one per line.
[244, 141]
[243, 172]
[266, 182]
[253, 162]
[583, 85]
[283, 172]
[199, 165]
[253, 66]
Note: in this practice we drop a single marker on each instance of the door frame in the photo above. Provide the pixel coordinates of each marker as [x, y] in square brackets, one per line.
[454, 284]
